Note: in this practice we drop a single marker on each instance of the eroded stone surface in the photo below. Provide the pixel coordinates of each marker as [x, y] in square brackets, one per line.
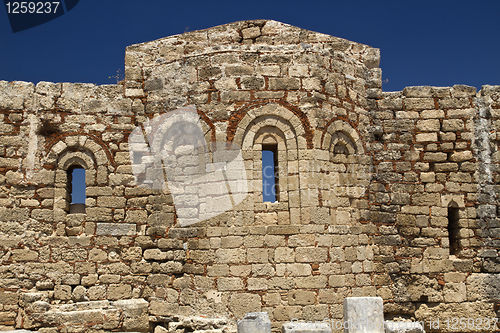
[363, 315]
[380, 194]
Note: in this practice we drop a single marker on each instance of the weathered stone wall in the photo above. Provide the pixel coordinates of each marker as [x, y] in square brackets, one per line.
[366, 179]
[434, 148]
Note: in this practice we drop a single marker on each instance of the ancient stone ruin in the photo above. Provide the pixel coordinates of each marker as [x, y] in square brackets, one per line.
[388, 194]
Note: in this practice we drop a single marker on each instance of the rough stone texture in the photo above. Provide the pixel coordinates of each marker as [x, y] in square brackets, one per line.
[381, 194]
[364, 314]
[255, 322]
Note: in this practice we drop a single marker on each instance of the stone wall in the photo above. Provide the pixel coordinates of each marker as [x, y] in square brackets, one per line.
[373, 186]
[436, 148]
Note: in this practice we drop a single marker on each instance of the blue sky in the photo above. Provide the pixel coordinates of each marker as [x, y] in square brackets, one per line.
[438, 43]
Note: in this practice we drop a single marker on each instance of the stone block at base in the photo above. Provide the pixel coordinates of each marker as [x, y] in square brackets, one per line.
[255, 322]
[363, 315]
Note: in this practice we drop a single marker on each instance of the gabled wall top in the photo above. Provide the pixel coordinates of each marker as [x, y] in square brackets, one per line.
[251, 35]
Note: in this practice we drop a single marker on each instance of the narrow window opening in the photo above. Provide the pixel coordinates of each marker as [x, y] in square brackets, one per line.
[76, 190]
[453, 229]
[270, 188]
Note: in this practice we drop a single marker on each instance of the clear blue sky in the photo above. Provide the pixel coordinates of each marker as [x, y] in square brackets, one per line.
[438, 43]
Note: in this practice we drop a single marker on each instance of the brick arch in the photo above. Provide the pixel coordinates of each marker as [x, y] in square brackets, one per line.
[341, 131]
[69, 158]
[344, 141]
[257, 127]
[298, 120]
[78, 141]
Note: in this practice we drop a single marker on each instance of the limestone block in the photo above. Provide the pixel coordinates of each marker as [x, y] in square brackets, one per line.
[452, 125]
[429, 199]
[311, 282]
[163, 308]
[89, 280]
[428, 125]
[235, 96]
[439, 314]
[301, 297]
[364, 315]
[262, 270]
[239, 70]
[258, 255]
[134, 92]
[225, 84]
[96, 292]
[132, 253]
[461, 113]
[71, 279]
[419, 103]
[435, 157]
[135, 314]
[423, 137]
[427, 177]
[136, 216]
[98, 214]
[62, 292]
[115, 229]
[251, 33]
[241, 303]
[8, 317]
[230, 256]
[23, 255]
[483, 287]
[159, 279]
[13, 214]
[119, 291]
[224, 284]
[454, 292]
[296, 270]
[284, 84]
[461, 156]
[8, 298]
[283, 229]
[209, 72]
[173, 267]
[417, 91]
[154, 254]
[121, 179]
[255, 322]
[231, 241]
[283, 313]
[284, 254]
[111, 202]
[445, 167]
[311, 254]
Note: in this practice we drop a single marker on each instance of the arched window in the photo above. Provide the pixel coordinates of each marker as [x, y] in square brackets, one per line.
[342, 144]
[453, 228]
[270, 180]
[270, 154]
[270, 136]
[76, 189]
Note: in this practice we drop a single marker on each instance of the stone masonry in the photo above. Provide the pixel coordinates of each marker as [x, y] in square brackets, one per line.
[389, 194]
